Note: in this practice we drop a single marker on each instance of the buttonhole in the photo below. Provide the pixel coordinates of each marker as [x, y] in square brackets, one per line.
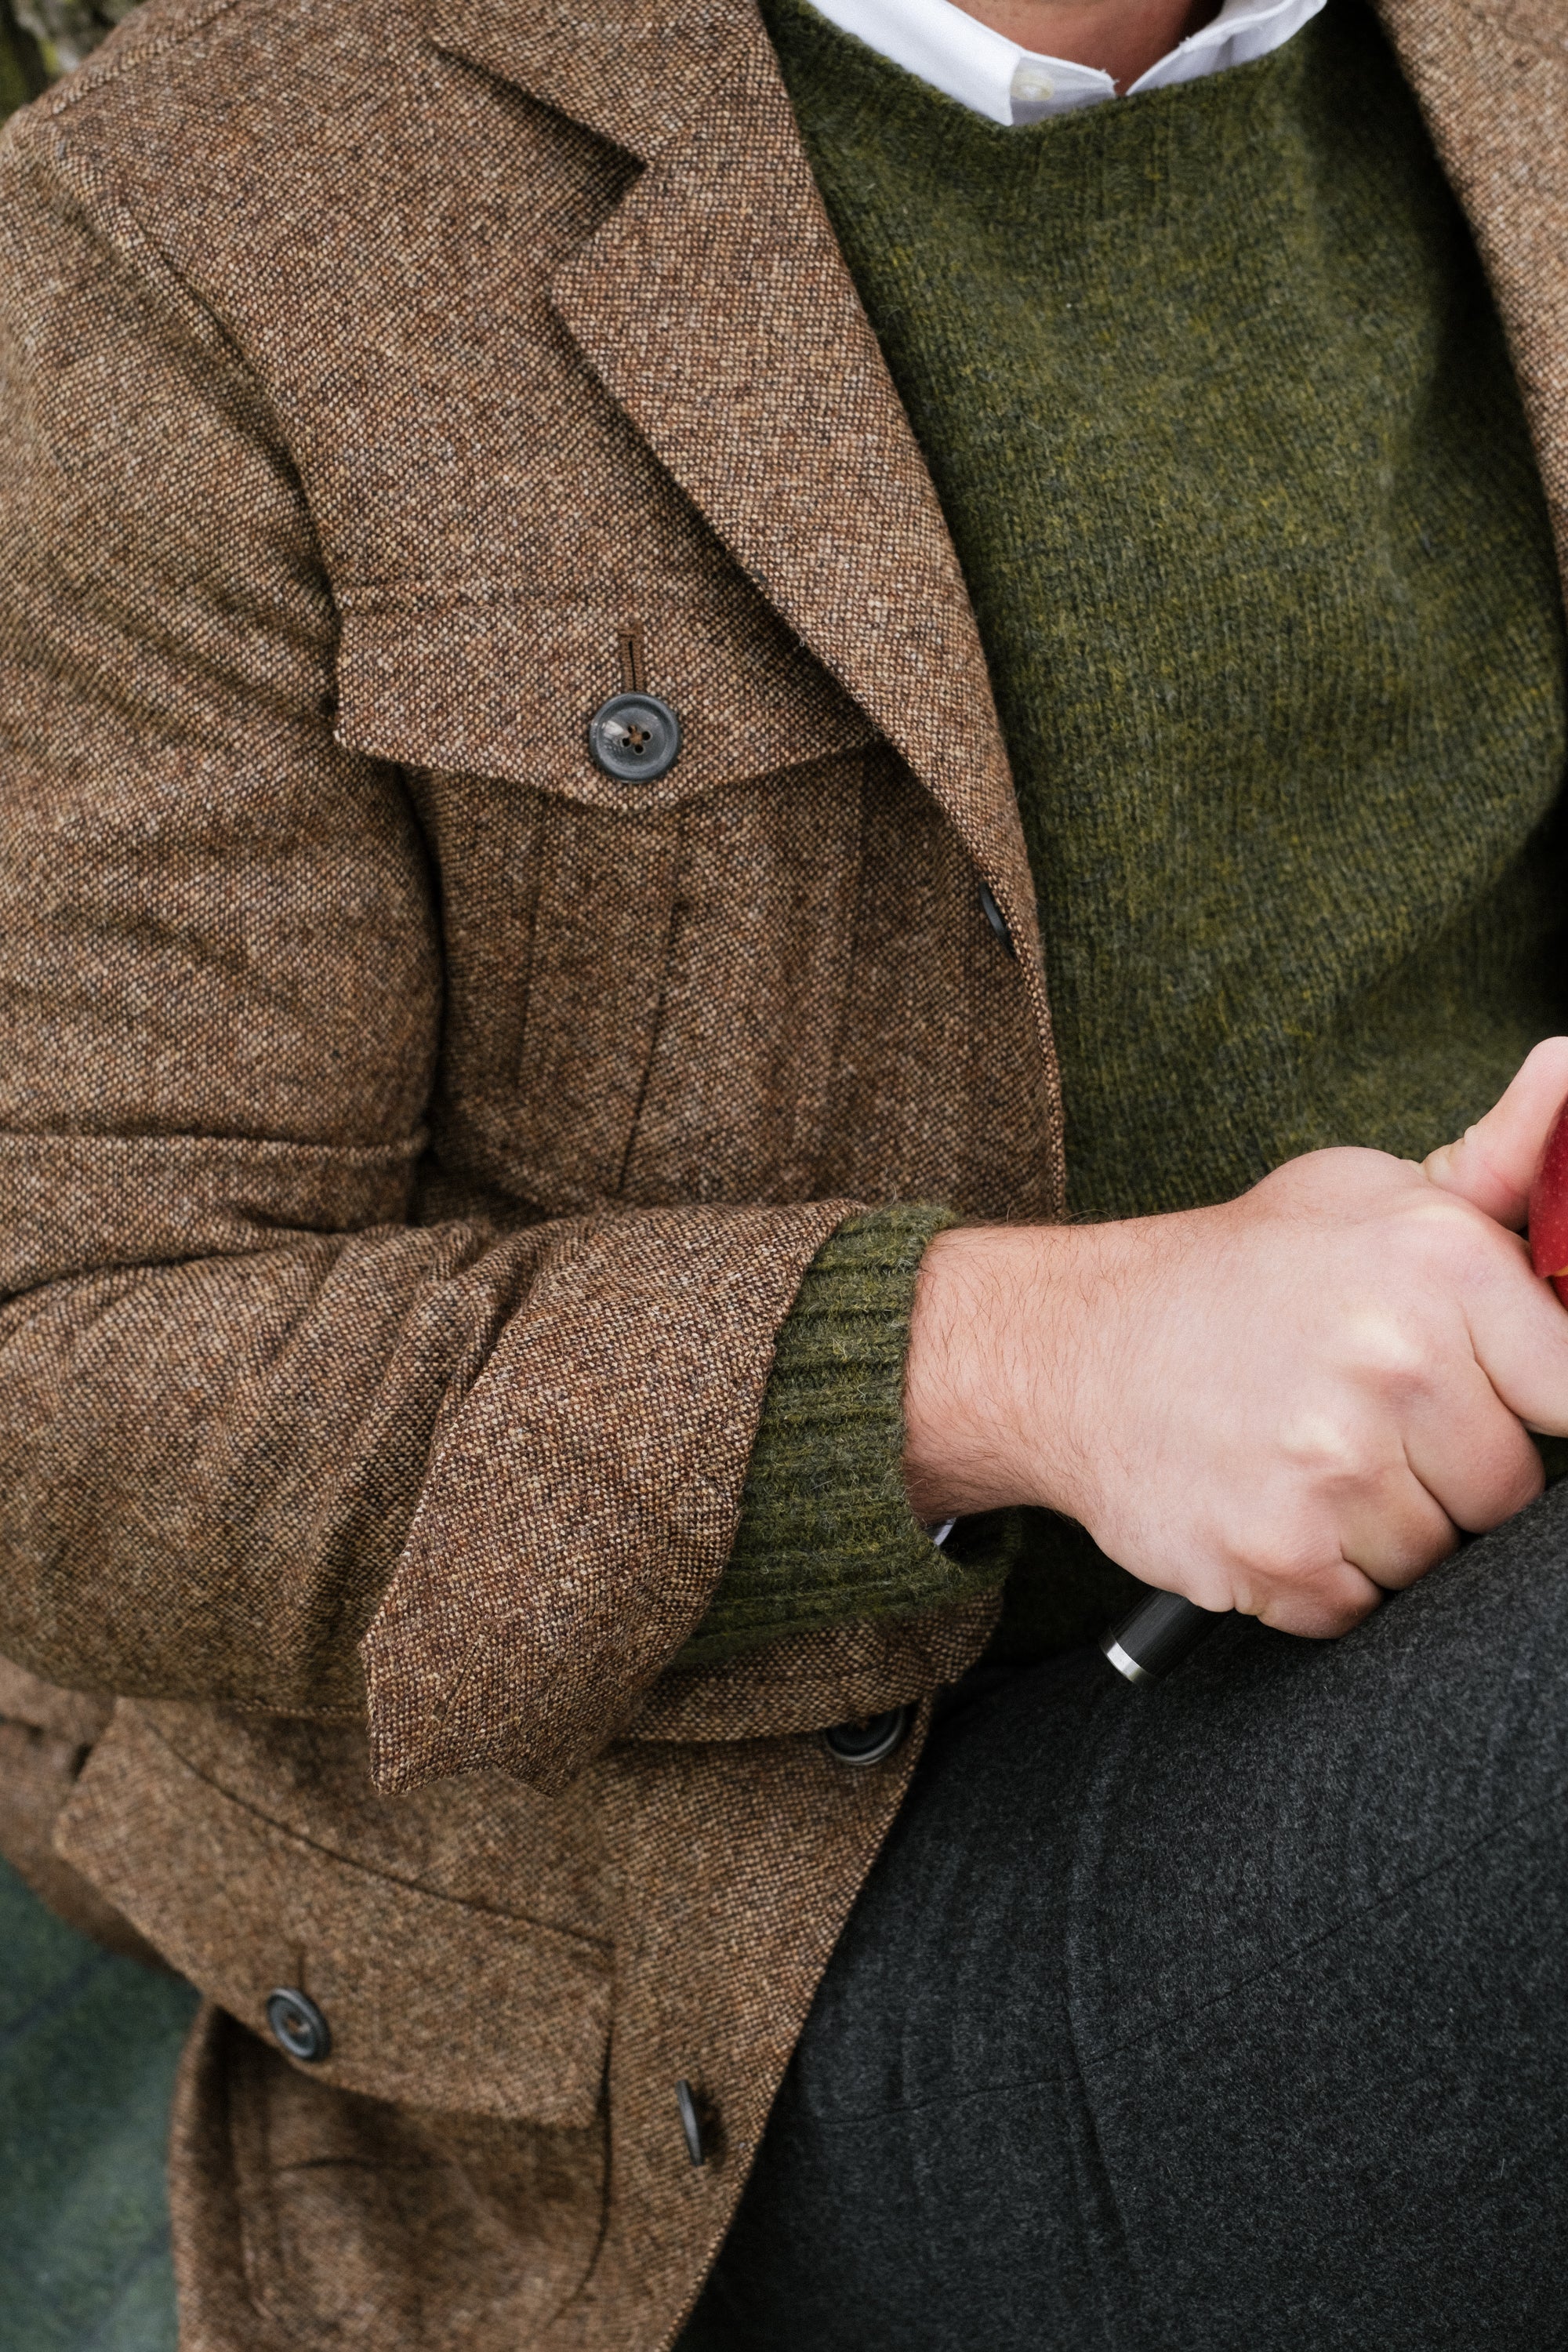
[634, 666]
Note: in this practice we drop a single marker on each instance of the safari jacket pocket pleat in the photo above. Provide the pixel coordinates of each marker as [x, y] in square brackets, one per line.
[603, 919]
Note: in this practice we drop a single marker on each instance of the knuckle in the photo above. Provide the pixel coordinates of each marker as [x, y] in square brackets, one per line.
[1275, 1562]
[1305, 1588]
[1446, 1236]
[1506, 1487]
[1411, 1554]
[1387, 1354]
[1332, 1447]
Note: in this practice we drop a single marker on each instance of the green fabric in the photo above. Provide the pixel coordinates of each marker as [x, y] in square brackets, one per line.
[88, 2045]
[827, 1532]
[1218, 408]
[22, 72]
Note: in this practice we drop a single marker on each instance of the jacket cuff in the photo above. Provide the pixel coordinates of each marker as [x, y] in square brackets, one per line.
[583, 1501]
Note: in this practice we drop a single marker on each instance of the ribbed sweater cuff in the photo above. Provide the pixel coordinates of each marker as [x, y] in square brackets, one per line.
[827, 1532]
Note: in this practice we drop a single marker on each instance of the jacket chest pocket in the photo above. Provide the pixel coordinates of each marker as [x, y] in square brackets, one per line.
[643, 976]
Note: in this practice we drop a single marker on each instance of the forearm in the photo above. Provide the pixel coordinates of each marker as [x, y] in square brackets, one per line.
[208, 1469]
[996, 1352]
[437, 1458]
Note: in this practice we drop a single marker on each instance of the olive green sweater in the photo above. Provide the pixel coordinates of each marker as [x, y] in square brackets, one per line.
[1223, 424]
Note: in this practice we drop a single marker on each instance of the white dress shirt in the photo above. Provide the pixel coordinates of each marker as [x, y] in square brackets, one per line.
[994, 77]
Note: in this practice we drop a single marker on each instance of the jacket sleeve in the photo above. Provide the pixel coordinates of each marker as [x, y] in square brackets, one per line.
[263, 1440]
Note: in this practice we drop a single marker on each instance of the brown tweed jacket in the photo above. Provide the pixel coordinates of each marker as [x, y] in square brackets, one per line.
[414, 1137]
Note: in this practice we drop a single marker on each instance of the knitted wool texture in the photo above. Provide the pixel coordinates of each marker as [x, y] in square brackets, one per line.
[826, 1531]
[1220, 414]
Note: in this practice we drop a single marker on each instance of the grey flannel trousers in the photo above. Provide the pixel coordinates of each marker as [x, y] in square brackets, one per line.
[1226, 2016]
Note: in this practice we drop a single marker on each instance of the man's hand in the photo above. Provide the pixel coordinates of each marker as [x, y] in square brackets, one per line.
[1288, 1404]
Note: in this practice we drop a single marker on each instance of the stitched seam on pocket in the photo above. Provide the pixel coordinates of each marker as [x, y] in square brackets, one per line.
[411, 1886]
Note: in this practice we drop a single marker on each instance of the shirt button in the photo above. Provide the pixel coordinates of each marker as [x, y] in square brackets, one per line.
[1033, 85]
[870, 1741]
[634, 737]
[297, 2025]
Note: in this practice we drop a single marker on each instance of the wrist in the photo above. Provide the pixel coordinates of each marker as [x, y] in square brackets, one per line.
[995, 1375]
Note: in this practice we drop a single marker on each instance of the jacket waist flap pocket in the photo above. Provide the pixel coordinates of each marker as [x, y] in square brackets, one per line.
[420, 1998]
[642, 973]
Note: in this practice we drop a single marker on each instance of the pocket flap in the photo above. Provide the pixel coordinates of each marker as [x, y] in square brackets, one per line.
[429, 2002]
[501, 686]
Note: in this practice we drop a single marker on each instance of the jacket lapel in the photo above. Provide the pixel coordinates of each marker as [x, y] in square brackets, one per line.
[715, 307]
[1492, 76]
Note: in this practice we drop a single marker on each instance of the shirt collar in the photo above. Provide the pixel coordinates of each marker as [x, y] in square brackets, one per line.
[964, 59]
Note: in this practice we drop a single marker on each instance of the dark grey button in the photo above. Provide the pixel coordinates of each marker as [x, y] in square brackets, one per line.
[869, 1740]
[691, 2123]
[997, 919]
[634, 737]
[297, 2025]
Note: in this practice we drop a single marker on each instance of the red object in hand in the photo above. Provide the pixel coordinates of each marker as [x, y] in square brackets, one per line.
[1549, 1209]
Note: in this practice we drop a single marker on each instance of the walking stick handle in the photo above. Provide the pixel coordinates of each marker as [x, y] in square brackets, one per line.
[1156, 1637]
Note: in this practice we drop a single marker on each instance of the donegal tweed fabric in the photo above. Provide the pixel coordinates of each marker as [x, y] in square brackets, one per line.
[321, 1305]
[418, 1138]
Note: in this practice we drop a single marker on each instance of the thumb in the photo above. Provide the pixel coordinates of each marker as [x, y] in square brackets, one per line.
[1494, 1162]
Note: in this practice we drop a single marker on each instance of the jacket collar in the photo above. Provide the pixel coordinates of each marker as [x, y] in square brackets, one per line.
[637, 75]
